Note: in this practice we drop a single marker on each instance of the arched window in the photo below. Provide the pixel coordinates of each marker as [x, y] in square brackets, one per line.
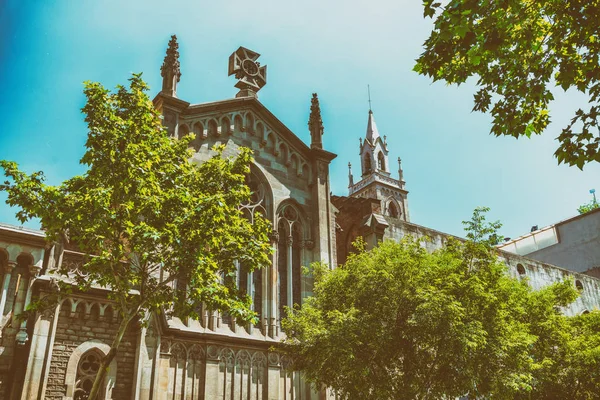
[289, 256]
[380, 161]
[87, 369]
[367, 163]
[260, 202]
[393, 210]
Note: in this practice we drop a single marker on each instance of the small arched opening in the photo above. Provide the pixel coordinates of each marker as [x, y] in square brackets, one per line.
[393, 210]
[380, 161]
[367, 164]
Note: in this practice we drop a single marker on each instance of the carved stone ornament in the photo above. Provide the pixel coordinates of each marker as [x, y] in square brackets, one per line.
[273, 359]
[212, 352]
[178, 351]
[250, 74]
[309, 244]
[196, 353]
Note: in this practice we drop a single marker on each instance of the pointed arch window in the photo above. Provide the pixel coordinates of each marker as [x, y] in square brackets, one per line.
[393, 210]
[289, 256]
[367, 163]
[381, 161]
[260, 203]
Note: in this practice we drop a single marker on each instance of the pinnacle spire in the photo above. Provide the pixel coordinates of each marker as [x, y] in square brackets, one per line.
[315, 123]
[372, 132]
[350, 177]
[170, 70]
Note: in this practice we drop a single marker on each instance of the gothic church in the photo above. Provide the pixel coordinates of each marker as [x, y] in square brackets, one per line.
[56, 354]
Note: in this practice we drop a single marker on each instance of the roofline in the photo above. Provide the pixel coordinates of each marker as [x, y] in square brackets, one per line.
[249, 102]
[562, 222]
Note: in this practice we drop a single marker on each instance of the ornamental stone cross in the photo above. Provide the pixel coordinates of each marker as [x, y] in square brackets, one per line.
[250, 74]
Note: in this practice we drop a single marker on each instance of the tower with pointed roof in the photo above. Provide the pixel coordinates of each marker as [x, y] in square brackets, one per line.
[376, 179]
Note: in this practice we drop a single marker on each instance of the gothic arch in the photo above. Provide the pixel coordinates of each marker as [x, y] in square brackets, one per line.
[213, 128]
[393, 208]
[381, 161]
[183, 131]
[292, 229]
[238, 123]
[73, 365]
[225, 125]
[299, 219]
[285, 153]
[367, 165]
[261, 197]
[249, 125]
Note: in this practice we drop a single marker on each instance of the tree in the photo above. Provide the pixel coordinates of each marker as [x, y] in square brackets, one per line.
[399, 322]
[149, 220]
[587, 207]
[519, 50]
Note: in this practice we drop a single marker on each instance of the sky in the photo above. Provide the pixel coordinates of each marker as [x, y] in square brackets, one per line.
[335, 48]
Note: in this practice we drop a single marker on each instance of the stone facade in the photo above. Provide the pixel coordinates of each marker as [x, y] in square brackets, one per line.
[54, 355]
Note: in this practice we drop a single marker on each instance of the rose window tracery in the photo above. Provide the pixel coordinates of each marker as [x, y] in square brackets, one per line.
[88, 368]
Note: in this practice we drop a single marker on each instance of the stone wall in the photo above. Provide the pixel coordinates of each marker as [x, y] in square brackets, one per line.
[84, 320]
[538, 274]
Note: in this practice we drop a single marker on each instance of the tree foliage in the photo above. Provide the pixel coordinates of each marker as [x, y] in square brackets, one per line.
[150, 220]
[519, 51]
[399, 322]
[587, 207]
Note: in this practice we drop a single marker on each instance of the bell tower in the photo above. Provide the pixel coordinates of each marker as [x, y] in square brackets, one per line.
[376, 179]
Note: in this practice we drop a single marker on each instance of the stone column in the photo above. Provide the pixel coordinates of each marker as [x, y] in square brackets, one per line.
[164, 365]
[5, 283]
[146, 353]
[273, 376]
[40, 355]
[322, 214]
[211, 381]
[273, 299]
[290, 275]
[250, 292]
[22, 336]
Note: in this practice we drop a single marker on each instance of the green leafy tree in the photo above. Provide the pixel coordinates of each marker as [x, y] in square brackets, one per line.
[587, 207]
[150, 220]
[520, 51]
[399, 322]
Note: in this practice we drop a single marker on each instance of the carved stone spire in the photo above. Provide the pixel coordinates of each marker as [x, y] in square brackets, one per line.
[170, 71]
[350, 177]
[372, 132]
[315, 123]
[400, 173]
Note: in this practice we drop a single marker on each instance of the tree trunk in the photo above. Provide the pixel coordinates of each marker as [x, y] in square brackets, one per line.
[106, 360]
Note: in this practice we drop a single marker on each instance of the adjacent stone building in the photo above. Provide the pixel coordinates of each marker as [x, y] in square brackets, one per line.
[573, 243]
[55, 355]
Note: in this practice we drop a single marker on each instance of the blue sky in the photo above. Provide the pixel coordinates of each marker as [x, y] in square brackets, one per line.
[335, 48]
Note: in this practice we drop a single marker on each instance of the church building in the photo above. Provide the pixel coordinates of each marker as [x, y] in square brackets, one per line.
[55, 355]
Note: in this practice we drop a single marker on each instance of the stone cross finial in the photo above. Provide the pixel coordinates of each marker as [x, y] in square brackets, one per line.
[315, 123]
[170, 70]
[250, 74]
